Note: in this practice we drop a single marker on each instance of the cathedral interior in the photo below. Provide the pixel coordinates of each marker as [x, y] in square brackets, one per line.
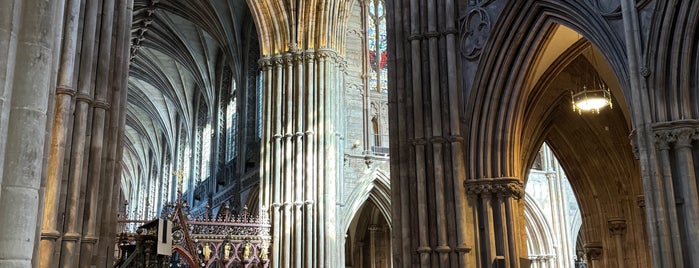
[349, 133]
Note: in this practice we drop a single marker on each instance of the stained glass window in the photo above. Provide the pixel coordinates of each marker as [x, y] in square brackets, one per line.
[187, 167]
[259, 105]
[232, 129]
[376, 37]
[206, 151]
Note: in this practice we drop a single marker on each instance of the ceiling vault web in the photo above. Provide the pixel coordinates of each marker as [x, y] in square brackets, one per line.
[178, 47]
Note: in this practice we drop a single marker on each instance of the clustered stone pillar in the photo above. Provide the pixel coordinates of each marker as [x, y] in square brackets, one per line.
[498, 206]
[300, 90]
[676, 192]
[87, 97]
[428, 200]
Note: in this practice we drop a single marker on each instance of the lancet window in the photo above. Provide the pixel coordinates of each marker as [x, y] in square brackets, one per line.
[376, 37]
[232, 124]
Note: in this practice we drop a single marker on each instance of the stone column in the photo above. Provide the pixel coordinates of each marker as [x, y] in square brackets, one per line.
[677, 215]
[301, 105]
[666, 207]
[617, 228]
[101, 105]
[687, 184]
[10, 16]
[65, 91]
[70, 248]
[23, 162]
[299, 182]
[593, 251]
[427, 158]
[108, 234]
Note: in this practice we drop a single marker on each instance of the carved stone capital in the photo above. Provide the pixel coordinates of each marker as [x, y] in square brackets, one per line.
[683, 137]
[593, 251]
[288, 59]
[663, 139]
[298, 58]
[277, 61]
[265, 63]
[504, 186]
[679, 133]
[326, 54]
[617, 226]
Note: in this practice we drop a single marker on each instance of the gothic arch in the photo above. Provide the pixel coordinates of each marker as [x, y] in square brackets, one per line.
[495, 106]
[511, 114]
[374, 186]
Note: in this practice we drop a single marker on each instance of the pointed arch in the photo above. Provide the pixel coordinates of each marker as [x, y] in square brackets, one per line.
[494, 104]
[375, 187]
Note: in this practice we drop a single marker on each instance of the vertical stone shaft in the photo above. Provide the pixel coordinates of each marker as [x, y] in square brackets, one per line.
[106, 243]
[639, 102]
[276, 162]
[10, 16]
[288, 175]
[669, 202]
[310, 170]
[401, 151]
[331, 177]
[320, 147]
[266, 143]
[461, 206]
[424, 250]
[436, 139]
[116, 125]
[503, 231]
[19, 200]
[688, 186]
[488, 230]
[510, 224]
[298, 157]
[65, 91]
[101, 104]
[73, 224]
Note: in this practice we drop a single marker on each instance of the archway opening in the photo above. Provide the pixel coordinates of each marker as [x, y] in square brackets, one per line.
[368, 239]
[552, 214]
[593, 149]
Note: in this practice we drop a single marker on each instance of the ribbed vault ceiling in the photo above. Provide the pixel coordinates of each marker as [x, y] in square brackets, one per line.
[178, 47]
